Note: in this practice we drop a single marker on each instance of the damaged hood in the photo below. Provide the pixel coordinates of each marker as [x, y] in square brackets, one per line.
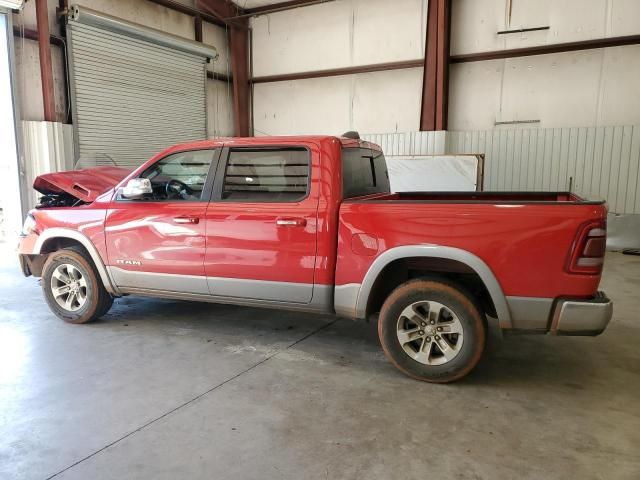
[85, 185]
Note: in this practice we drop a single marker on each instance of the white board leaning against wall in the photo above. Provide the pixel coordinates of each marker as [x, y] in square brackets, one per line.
[433, 173]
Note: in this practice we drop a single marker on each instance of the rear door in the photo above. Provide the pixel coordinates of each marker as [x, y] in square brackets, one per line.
[262, 224]
[158, 242]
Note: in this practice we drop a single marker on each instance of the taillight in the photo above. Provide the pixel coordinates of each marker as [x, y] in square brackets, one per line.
[587, 254]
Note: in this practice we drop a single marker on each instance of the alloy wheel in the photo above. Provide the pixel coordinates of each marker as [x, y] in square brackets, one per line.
[69, 287]
[430, 332]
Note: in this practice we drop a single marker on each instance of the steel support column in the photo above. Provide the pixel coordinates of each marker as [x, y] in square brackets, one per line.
[239, 47]
[46, 70]
[435, 83]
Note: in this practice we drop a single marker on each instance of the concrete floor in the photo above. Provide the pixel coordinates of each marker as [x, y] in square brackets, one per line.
[167, 389]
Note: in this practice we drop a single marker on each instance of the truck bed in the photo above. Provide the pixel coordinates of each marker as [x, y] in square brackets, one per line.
[524, 238]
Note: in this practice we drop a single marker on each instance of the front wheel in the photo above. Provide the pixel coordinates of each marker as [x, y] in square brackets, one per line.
[431, 331]
[72, 287]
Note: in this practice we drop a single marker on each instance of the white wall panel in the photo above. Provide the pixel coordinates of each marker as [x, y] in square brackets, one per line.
[314, 106]
[535, 87]
[338, 34]
[619, 95]
[220, 109]
[585, 88]
[624, 17]
[334, 35]
[386, 31]
[303, 39]
[374, 102]
[387, 101]
[475, 91]
[475, 23]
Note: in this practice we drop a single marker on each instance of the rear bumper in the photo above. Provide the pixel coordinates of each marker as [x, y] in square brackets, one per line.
[582, 317]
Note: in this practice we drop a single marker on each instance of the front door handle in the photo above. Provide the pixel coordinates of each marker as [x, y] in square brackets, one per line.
[186, 219]
[291, 222]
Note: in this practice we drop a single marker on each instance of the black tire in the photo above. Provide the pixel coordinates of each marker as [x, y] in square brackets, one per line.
[459, 313]
[97, 300]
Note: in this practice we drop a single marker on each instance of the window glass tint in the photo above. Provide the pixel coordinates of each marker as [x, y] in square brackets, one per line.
[364, 172]
[267, 175]
[180, 176]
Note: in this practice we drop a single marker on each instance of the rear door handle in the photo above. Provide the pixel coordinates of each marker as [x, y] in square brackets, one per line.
[291, 222]
[186, 219]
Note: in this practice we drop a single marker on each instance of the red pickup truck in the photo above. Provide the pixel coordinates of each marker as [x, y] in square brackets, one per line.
[308, 223]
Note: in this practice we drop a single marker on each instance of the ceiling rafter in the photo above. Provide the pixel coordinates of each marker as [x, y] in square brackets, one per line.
[194, 12]
[282, 6]
[224, 10]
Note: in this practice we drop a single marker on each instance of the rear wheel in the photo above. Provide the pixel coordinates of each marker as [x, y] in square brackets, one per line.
[72, 287]
[431, 331]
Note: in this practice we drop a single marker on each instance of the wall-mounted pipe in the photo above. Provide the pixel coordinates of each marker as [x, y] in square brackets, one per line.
[30, 34]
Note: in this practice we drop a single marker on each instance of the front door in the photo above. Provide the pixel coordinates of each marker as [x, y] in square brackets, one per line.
[262, 224]
[158, 242]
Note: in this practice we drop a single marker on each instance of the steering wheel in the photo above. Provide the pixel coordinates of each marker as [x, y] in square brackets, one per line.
[176, 187]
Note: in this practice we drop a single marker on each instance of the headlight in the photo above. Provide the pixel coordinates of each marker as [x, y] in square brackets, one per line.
[29, 225]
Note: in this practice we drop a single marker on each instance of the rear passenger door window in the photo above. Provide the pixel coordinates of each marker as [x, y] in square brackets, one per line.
[267, 175]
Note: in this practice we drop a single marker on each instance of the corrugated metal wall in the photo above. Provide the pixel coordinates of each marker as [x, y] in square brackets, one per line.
[409, 143]
[601, 162]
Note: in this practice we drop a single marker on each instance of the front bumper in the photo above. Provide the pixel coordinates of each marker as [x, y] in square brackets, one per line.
[24, 265]
[582, 317]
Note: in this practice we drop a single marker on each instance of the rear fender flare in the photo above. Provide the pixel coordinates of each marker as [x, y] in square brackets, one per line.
[53, 233]
[436, 251]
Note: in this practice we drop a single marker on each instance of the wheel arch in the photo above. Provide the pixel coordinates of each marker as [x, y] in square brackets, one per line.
[457, 260]
[53, 239]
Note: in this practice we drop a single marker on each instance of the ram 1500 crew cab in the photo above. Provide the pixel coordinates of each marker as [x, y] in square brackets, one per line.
[308, 223]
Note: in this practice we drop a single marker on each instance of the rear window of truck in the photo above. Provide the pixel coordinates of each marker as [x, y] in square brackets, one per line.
[364, 172]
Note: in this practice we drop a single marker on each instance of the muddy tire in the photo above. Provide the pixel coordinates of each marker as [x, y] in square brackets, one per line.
[432, 331]
[72, 287]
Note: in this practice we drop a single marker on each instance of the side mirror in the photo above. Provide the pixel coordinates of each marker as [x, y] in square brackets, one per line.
[137, 188]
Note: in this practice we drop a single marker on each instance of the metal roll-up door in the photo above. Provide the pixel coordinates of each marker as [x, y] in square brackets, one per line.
[134, 90]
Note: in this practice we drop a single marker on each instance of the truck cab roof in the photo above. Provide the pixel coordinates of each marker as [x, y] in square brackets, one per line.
[257, 141]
